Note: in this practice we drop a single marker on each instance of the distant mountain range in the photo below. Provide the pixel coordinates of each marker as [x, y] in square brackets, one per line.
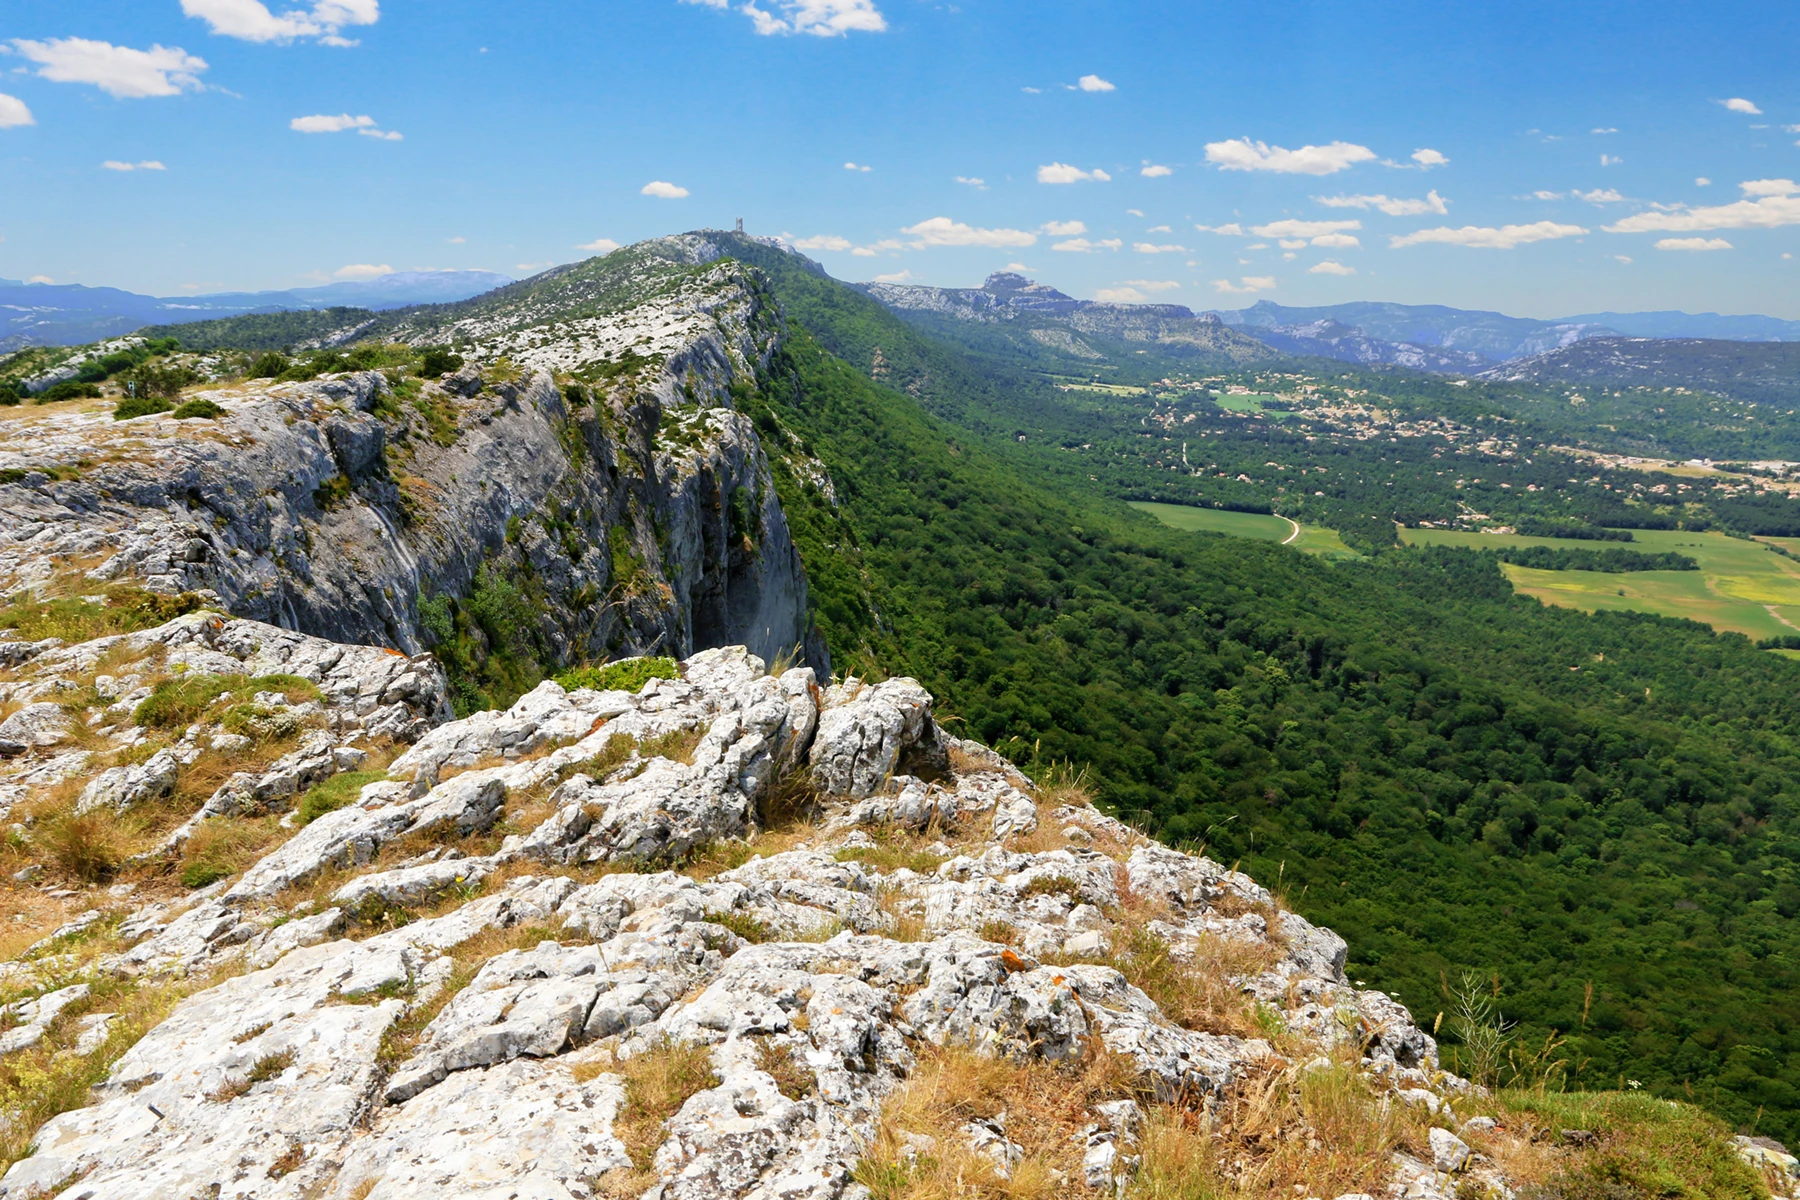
[1012, 312]
[1012, 308]
[41, 314]
[1759, 372]
[1432, 337]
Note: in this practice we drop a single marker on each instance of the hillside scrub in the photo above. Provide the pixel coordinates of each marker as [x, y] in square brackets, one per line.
[1445, 773]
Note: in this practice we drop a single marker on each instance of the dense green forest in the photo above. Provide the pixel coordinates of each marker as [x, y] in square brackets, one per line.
[1451, 776]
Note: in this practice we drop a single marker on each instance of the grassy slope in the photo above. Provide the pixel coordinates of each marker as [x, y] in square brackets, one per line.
[1402, 742]
[1742, 586]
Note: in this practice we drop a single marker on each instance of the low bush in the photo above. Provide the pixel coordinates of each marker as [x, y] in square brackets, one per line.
[87, 847]
[199, 406]
[125, 610]
[438, 361]
[628, 675]
[140, 406]
[68, 390]
[268, 365]
[177, 702]
[340, 791]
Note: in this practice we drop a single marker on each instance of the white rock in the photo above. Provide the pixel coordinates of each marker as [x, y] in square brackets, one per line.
[1448, 1152]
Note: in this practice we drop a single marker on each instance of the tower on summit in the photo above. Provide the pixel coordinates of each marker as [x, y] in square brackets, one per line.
[740, 224]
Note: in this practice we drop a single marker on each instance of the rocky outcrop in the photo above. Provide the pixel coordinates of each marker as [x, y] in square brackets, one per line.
[586, 496]
[567, 907]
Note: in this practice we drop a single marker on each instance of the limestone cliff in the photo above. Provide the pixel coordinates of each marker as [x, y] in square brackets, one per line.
[586, 466]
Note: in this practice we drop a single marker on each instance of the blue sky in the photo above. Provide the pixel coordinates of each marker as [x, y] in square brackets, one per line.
[1537, 158]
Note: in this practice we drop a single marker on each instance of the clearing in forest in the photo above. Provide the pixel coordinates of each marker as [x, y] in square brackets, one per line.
[1743, 586]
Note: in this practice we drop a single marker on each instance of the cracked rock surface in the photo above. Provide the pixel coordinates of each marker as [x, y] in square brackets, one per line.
[440, 989]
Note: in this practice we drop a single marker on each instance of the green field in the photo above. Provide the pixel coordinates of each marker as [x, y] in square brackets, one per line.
[1742, 586]
[1310, 538]
[1252, 403]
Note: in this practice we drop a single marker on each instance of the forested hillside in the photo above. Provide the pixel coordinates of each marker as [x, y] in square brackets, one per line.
[1454, 777]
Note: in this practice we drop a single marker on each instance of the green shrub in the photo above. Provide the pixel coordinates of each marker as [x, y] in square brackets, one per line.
[124, 610]
[9, 394]
[166, 382]
[140, 406]
[340, 791]
[69, 389]
[270, 364]
[628, 676]
[199, 406]
[178, 702]
[438, 361]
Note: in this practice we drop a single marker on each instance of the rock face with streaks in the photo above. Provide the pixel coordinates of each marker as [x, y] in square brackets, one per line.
[442, 988]
[591, 473]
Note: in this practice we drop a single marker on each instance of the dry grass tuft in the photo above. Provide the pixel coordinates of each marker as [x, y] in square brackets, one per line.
[793, 1078]
[658, 1081]
[920, 1150]
[678, 745]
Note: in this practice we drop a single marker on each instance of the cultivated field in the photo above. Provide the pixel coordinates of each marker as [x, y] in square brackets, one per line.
[1741, 586]
[1310, 538]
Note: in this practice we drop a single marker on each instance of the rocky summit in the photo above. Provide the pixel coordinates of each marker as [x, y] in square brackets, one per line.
[459, 982]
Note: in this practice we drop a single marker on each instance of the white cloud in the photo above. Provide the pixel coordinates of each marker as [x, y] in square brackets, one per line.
[820, 18]
[1093, 83]
[1153, 248]
[896, 277]
[597, 246]
[1769, 187]
[1702, 181]
[251, 21]
[875, 249]
[1231, 230]
[1428, 158]
[1246, 155]
[14, 113]
[1293, 243]
[1337, 241]
[1693, 243]
[1328, 267]
[1155, 171]
[1119, 295]
[1541, 194]
[1058, 172]
[116, 70]
[1135, 212]
[458, 241]
[1031, 91]
[1607, 129]
[363, 271]
[1249, 283]
[824, 241]
[1600, 196]
[1738, 104]
[1624, 258]
[329, 124]
[1432, 203]
[537, 266]
[40, 279]
[1153, 285]
[1302, 229]
[662, 189]
[1063, 228]
[942, 231]
[1770, 211]
[850, 166]
[113, 164]
[1488, 238]
[1159, 229]
[974, 181]
[1610, 160]
[1081, 245]
[386, 135]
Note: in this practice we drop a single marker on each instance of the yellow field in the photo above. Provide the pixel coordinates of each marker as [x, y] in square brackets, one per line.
[1309, 538]
[1741, 586]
